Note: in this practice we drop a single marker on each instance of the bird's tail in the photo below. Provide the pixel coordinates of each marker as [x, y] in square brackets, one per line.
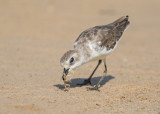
[121, 23]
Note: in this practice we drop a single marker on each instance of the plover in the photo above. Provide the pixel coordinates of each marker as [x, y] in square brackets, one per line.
[94, 44]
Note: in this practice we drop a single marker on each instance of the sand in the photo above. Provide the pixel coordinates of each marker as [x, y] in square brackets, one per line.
[34, 34]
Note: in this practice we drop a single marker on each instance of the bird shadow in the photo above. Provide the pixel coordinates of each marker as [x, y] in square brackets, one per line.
[94, 81]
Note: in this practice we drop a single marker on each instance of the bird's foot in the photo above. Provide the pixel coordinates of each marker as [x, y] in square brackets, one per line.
[94, 88]
[86, 82]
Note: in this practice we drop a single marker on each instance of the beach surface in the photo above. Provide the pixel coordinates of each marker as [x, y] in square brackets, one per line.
[34, 34]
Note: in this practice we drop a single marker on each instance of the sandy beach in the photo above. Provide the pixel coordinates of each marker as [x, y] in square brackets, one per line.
[34, 34]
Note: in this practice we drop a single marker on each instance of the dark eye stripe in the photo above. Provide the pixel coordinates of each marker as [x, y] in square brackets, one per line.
[71, 60]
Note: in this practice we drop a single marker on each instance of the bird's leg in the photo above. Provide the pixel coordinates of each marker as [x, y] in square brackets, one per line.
[88, 81]
[104, 74]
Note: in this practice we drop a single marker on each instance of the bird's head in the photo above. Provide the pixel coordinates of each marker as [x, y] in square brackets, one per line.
[70, 60]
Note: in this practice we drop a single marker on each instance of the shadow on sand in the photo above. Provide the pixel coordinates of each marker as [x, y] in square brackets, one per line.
[94, 81]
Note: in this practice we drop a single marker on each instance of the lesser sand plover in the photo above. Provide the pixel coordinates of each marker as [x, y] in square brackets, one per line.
[91, 45]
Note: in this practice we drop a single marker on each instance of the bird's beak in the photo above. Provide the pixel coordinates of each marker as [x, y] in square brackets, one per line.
[65, 73]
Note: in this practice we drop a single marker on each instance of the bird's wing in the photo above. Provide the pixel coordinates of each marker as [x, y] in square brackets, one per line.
[108, 38]
[108, 35]
[111, 33]
[102, 34]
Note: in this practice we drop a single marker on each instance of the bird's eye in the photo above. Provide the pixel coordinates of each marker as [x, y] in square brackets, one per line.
[71, 60]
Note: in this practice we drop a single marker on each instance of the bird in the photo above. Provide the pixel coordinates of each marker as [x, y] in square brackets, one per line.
[94, 44]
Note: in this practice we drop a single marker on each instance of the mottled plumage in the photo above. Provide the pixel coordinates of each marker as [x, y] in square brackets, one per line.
[95, 43]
